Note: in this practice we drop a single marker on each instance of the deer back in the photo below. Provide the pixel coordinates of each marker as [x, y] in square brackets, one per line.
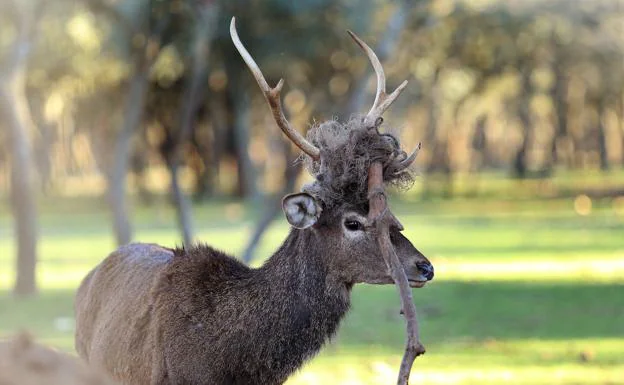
[113, 309]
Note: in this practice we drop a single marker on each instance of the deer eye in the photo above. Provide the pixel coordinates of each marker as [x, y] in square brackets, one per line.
[353, 225]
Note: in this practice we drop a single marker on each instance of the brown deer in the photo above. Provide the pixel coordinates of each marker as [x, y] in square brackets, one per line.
[153, 315]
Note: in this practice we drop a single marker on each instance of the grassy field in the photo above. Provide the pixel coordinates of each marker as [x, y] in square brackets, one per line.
[526, 292]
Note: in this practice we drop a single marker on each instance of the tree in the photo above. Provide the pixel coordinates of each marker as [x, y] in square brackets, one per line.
[16, 111]
[204, 19]
[142, 25]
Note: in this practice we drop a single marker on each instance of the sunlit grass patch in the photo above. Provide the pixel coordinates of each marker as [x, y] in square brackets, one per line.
[384, 371]
[582, 361]
[545, 269]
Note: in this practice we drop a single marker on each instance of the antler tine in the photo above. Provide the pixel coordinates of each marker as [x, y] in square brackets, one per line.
[272, 96]
[405, 163]
[382, 99]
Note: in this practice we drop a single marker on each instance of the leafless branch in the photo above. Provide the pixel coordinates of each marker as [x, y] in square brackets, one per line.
[383, 219]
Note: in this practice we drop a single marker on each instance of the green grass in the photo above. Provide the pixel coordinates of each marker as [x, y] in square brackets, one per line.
[526, 292]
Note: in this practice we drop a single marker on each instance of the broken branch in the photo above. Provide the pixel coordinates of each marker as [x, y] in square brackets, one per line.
[383, 219]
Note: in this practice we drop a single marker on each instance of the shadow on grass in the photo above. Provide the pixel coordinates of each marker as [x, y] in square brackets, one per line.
[449, 311]
[489, 310]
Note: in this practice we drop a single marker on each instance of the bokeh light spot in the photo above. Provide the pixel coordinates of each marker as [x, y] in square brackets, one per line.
[338, 85]
[295, 100]
[583, 205]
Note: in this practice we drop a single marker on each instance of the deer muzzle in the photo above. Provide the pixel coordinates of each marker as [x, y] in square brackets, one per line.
[422, 274]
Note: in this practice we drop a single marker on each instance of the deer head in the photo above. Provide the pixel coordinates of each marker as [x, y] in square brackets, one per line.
[345, 204]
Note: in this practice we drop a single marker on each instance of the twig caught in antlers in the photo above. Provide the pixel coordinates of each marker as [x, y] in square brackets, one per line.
[382, 221]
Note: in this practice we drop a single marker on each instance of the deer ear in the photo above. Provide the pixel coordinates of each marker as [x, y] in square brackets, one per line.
[302, 210]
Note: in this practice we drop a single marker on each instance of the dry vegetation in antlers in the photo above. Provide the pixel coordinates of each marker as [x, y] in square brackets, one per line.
[23, 362]
[347, 152]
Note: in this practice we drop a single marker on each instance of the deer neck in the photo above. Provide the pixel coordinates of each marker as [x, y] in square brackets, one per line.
[303, 280]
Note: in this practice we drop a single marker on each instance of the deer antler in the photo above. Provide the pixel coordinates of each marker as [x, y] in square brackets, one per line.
[382, 99]
[405, 163]
[272, 96]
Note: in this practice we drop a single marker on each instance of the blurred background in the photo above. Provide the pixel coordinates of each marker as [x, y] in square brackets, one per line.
[136, 120]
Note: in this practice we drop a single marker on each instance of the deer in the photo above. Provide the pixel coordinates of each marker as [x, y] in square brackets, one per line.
[153, 315]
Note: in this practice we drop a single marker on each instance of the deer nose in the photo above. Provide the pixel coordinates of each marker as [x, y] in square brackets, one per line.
[426, 269]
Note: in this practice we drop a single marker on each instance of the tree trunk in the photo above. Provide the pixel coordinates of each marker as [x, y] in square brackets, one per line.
[273, 205]
[479, 144]
[44, 145]
[560, 98]
[218, 116]
[182, 205]
[524, 114]
[439, 161]
[133, 116]
[620, 108]
[240, 131]
[16, 111]
[188, 113]
[133, 113]
[602, 136]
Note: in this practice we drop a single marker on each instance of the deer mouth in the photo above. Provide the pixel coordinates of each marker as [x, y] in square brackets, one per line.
[417, 279]
[417, 283]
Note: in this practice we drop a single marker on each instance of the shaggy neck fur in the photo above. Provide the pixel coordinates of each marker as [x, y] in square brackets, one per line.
[305, 267]
[307, 301]
[263, 323]
[314, 300]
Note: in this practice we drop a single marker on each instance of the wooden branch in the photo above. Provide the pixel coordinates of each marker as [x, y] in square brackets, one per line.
[413, 347]
[383, 219]
[376, 197]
